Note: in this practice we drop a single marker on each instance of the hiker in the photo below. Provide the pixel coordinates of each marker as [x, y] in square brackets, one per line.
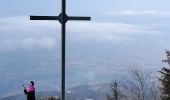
[30, 92]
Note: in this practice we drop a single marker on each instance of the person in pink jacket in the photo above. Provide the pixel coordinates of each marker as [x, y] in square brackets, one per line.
[30, 92]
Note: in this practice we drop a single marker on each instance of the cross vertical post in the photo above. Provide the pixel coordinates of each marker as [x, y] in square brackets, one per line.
[63, 43]
[62, 18]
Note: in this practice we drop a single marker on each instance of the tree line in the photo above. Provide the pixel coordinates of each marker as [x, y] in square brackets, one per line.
[142, 85]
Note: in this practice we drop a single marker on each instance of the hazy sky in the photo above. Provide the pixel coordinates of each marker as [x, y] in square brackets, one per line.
[112, 20]
[121, 34]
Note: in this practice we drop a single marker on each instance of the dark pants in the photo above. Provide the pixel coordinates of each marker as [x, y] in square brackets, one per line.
[30, 95]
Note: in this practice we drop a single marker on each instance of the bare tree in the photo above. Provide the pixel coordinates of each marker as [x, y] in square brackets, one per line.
[155, 91]
[140, 86]
[137, 85]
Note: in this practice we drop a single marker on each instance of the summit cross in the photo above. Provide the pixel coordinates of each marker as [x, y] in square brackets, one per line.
[62, 18]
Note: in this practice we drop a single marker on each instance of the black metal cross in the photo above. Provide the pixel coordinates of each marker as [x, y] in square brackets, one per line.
[62, 18]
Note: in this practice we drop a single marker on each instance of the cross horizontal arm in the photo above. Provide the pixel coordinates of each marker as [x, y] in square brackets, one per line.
[44, 18]
[78, 18]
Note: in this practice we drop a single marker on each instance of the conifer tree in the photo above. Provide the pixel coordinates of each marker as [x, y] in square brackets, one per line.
[114, 90]
[165, 79]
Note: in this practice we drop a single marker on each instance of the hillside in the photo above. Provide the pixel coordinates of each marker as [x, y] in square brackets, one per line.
[95, 92]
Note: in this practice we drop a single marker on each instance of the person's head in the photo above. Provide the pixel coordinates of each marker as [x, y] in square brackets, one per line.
[32, 83]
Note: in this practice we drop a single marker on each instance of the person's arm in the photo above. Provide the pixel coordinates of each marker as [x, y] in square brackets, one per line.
[25, 90]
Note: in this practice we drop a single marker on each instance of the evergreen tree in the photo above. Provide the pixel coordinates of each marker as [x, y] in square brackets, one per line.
[114, 90]
[165, 79]
[165, 83]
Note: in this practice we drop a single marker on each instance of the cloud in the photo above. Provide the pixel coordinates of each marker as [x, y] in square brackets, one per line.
[20, 32]
[107, 30]
[140, 13]
[22, 24]
[27, 43]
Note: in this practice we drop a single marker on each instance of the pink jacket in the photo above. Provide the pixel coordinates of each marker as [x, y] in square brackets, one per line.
[31, 88]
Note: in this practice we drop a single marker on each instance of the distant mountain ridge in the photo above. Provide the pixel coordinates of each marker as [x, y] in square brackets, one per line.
[94, 92]
[23, 97]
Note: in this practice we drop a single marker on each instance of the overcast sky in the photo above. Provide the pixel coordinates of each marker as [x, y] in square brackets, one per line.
[113, 21]
[121, 34]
